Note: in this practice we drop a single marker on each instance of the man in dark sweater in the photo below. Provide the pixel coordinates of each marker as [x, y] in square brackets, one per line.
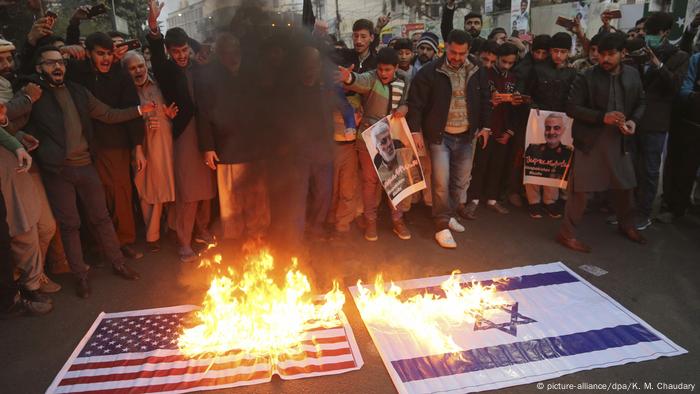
[473, 23]
[62, 120]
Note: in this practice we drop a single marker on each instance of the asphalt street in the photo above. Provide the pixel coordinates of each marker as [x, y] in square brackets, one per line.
[659, 282]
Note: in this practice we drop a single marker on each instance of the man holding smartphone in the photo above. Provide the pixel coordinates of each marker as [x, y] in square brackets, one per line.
[662, 76]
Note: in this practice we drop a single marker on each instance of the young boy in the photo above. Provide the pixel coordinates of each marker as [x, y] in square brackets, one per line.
[383, 92]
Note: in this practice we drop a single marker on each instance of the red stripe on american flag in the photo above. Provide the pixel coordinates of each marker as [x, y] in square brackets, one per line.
[175, 358]
[159, 373]
[208, 382]
[197, 369]
[317, 368]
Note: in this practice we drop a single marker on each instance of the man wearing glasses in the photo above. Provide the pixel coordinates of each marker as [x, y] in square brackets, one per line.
[62, 121]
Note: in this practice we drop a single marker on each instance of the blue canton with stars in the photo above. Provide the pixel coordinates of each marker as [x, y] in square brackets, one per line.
[135, 334]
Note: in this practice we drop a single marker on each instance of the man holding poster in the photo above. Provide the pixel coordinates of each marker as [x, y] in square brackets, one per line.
[383, 93]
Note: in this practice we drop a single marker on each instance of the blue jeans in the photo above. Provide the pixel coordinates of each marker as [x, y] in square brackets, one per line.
[651, 148]
[452, 166]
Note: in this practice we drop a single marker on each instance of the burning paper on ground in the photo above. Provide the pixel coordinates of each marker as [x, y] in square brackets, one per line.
[471, 332]
[249, 328]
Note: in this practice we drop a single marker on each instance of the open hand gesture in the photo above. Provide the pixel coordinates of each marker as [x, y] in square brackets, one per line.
[343, 75]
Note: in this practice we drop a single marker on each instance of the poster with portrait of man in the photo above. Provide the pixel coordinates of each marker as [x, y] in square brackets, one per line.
[395, 158]
[520, 16]
[549, 149]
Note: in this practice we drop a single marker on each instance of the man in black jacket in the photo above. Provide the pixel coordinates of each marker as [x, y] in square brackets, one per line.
[662, 76]
[607, 103]
[227, 135]
[472, 25]
[448, 104]
[194, 181]
[62, 120]
[549, 84]
[108, 82]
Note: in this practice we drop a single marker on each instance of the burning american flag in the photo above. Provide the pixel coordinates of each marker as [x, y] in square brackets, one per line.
[137, 352]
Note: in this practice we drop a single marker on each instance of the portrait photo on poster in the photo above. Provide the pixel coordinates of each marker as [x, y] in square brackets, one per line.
[548, 149]
[395, 158]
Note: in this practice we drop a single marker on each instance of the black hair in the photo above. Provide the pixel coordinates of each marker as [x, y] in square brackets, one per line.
[473, 15]
[39, 52]
[98, 38]
[596, 39]
[490, 46]
[49, 40]
[363, 24]
[115, 34]
[176, 37]
[541, 41]
[641, 20]
[561, 40]
[496, 31]
[507, 49]
[403, 43]
[388, 55]
[658, 22]
[459, 37]
[612, 41]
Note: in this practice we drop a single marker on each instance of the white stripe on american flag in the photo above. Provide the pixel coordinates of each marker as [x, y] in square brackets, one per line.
[96, 370]
[163, 380]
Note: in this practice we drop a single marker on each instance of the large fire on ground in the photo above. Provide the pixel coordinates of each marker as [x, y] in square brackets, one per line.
[427, 316]
[252, 313]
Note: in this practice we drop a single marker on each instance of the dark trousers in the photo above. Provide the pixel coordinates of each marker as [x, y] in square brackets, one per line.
[301, 201]
[622, 200]
[487, 171]
[112, 165]
[63, 189]
[680, 171]
[8, 288]
[650, 148]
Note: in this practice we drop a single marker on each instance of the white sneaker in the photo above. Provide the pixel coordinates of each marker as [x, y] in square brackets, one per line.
[444, 239]
[456, 226]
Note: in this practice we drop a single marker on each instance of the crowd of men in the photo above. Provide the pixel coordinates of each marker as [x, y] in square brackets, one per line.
[266, 121]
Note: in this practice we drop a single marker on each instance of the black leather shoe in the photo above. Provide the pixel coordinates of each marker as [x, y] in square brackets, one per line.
[125, 272]
[153, 247]
[35, 296]
[131, 253]
[82, 288]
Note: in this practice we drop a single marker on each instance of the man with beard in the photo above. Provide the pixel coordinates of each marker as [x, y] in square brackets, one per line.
[194, 182]
[154, 178]
[425, 53]
[391, 154]
[62, 120]
[607, 103]
[551, 151]
[113, 144]
[472, 25]
[448, 105]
